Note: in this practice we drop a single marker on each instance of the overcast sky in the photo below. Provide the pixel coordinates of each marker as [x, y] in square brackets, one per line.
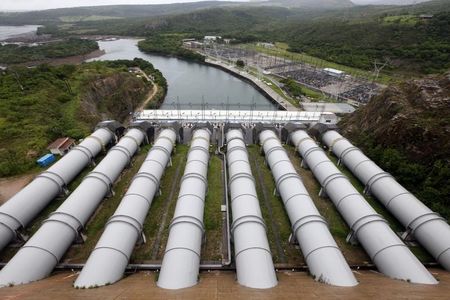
[46, 4]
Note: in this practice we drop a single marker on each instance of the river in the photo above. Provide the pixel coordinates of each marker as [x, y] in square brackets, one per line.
[192, 85]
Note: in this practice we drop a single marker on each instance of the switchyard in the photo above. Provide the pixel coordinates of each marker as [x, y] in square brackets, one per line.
[264, 200]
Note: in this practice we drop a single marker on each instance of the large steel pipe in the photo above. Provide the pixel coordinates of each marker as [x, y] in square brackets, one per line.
[323, 257]
[110, 257]
[23, 207]
[391, 256]
[181, 262]
[254, 265]
[428, 227]
[37, 258]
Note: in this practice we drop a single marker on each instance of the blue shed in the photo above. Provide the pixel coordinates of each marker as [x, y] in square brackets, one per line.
[46, 160]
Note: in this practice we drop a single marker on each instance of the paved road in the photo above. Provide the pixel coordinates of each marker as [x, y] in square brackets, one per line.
[259, 83]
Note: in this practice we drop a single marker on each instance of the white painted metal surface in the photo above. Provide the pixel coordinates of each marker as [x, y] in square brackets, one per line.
[237, 116]
[254, 265]
[323, 257]
[37, 258]
[23, 207]
[428, 227]
[108, 260]
[181, 263]
[391, 256]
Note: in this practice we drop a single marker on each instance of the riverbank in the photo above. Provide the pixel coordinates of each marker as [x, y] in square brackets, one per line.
[255, 82]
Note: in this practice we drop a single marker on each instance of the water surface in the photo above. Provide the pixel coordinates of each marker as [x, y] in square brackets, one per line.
[192, 85]
[7, 32]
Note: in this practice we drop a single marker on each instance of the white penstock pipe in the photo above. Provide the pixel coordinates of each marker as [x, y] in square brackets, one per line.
[110, 257]
[181, 263]
[38, 257]
[391, 256]
[254, 265]
[322, 255]
[23, 207]
[429, 228]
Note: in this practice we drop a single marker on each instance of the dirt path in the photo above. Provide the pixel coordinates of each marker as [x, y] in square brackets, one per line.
[151, 94]
[10, 186]
[150, 97]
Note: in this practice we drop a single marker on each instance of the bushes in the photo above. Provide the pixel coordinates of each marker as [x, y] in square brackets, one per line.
[424, 47]
[293, 87]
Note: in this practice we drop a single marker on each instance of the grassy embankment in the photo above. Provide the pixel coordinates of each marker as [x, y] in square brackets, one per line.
[274, 214]
[212, 249]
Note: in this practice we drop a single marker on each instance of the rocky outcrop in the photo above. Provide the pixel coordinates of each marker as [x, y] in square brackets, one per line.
[112, 97]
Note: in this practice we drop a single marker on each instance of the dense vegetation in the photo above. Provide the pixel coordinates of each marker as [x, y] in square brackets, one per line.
[168, 45]
[418, 46]
[43, 103]
[14, 54]
[293, 87]
[405, 131]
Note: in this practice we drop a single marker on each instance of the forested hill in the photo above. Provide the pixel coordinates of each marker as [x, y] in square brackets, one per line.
[117, 12]
[99, 13]
[406, 130]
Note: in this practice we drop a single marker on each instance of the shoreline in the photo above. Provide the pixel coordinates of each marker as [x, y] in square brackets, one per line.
[258, 85]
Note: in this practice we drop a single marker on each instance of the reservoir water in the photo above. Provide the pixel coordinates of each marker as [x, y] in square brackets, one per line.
[192, 85]
[7, 32]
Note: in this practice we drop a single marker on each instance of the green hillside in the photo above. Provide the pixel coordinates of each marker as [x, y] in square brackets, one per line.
[43, 103]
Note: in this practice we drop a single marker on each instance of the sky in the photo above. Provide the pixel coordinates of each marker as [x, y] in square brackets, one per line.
[12, 5]
[47, 4]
